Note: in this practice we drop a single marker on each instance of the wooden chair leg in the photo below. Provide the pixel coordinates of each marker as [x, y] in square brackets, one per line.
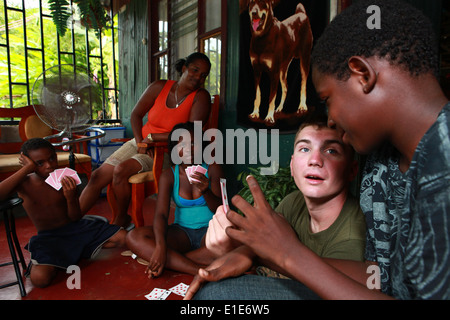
[137, 200]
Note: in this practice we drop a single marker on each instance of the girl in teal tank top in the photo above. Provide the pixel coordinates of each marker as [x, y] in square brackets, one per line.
[163, 245]
[190, 213]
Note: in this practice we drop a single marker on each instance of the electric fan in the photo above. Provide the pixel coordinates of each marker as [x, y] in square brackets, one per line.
[63, 97]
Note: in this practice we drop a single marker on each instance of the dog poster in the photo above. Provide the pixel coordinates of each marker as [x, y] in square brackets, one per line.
[276, 40]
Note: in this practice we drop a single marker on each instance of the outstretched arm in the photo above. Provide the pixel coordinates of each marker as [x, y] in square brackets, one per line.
[233, 264]
[271, 237]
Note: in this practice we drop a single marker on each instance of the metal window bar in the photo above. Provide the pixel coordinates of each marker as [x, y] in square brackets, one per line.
[212, 48]
[60, 52]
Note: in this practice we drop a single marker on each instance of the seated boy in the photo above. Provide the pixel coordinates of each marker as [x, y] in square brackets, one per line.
[63, 237]
[325, 217]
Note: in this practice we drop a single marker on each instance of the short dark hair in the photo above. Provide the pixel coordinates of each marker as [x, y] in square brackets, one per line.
[35, 144]
[319, 121]
[406, 38]
[179, 64]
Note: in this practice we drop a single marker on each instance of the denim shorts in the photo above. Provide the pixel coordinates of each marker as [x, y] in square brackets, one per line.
[195, 235]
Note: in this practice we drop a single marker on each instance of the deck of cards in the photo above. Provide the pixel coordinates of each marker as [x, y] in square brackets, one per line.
[162, 294]
[54, 179]
[194, 169]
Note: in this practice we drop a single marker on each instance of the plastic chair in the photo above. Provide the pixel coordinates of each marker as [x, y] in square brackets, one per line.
[145, 184]
[13, 243]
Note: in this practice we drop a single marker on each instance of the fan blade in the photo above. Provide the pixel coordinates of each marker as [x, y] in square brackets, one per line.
[64, 98]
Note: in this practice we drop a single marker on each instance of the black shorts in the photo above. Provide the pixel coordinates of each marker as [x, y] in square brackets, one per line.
[195, 235]
[66, 245]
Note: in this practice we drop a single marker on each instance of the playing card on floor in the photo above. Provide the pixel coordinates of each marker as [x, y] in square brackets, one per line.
[180, 289]
[158, 294]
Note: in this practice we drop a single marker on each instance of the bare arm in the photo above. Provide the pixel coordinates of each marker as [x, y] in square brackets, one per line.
[10, 184]
[272, 239]
[69, 187]
[145, 103]
[201, 107]
[160, 223]
[232, 264]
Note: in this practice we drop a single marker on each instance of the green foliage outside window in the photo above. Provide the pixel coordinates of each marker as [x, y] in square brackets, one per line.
[36, 62]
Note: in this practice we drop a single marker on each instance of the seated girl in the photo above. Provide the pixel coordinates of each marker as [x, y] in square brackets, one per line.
[180, 246]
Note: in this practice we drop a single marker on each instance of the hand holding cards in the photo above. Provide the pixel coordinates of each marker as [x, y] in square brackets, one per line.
[54, 179]
[194, 169]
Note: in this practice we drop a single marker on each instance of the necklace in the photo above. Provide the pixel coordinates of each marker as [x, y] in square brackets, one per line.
[177, 104]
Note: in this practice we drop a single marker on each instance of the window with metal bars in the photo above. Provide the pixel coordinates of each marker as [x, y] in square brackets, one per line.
[30, 44]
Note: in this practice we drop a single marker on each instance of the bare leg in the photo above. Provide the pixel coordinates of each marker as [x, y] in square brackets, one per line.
[100, 178]
[117, 240]
[122, 190]
[202, 256]
[41, 276]
[141, 242]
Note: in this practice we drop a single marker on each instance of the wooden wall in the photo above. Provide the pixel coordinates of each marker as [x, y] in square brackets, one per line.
[133, 67]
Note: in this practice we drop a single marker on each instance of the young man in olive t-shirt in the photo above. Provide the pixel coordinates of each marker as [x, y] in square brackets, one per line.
[324, 214]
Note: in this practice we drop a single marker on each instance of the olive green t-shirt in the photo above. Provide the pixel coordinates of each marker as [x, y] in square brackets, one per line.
[344, 239]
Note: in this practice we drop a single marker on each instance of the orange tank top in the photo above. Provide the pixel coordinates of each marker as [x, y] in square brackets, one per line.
[160, 118]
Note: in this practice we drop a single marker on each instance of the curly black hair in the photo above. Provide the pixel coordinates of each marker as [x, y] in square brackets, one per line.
[35, 144]
[405, 38]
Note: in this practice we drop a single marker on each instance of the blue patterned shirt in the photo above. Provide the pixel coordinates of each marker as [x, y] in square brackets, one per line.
[408, 216]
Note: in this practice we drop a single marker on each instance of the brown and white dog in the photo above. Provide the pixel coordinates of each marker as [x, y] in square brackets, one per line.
[273, 46]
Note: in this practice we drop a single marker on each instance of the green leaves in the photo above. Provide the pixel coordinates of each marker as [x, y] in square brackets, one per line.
[92, 14]
[61, 12]
[275, 187]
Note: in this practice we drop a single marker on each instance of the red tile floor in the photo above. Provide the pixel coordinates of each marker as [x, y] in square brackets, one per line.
[110, 276]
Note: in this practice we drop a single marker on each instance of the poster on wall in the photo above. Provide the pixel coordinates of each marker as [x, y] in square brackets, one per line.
[276, 39]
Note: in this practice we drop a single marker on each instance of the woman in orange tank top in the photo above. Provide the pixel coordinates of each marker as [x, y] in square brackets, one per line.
[166, 102]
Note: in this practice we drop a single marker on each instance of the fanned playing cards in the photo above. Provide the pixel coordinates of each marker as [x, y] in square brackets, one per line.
[194, 169]
[54, 179]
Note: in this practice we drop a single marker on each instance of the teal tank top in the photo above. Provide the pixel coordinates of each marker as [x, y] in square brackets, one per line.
[193, 214]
